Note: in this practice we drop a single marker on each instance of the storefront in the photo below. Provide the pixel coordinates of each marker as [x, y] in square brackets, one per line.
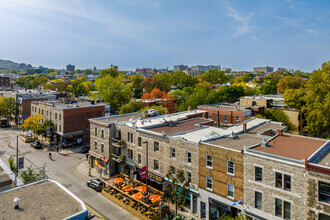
[217, 209]
[70, 139]
[154, 180]
[99, 162]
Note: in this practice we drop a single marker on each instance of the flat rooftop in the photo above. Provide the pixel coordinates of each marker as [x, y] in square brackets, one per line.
[60, 105]
[229, 107]
[186, 125]
[117, 118]
[41, 200]
[247, 139]
[292, 146]
[325, 159]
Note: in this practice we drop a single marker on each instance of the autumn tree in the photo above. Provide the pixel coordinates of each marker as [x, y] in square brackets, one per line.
[109, 72]
[32, 123]
[317, 99]
[57, 84]
[113, 90]
[8, 106]
[290, 82]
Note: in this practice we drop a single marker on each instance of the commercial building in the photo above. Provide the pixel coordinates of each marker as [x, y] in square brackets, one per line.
[265, 69]
[276, 183]
[44, 199]
[221, 167]
[205, 68]
[70, 68]
[193, 73]
[70, 118]
[180, 67]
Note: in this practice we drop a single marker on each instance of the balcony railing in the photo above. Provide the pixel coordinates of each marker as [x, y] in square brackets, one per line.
[118, 143]
[118, 158]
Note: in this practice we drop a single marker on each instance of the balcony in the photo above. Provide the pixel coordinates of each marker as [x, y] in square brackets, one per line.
[118, 158]
[118, 143]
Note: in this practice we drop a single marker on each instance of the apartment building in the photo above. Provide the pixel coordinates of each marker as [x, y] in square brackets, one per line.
[221, 167]
[275, 178]
[266, 69]
[4, 82]
[70, 118]
[318, 185]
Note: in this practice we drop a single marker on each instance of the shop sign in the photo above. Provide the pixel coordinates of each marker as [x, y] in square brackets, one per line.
[155, 177]
[98, 156]
[144, 173]
[21, 163]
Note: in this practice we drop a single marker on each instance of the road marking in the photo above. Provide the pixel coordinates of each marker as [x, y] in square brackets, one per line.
[94, 212]
[18, 151]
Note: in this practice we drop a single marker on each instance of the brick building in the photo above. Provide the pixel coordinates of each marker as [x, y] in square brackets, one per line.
[70, 118]
[275, 180]
[221, 167]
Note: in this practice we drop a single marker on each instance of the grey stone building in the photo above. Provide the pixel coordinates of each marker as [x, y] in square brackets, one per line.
[275, 176]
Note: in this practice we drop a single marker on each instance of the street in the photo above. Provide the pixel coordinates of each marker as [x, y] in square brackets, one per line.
[66, 167]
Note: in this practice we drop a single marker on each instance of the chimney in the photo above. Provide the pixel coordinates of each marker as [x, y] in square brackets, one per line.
[280, 131]
[244, 127]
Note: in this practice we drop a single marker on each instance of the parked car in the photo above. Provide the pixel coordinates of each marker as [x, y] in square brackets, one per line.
[96, 184]
[36, 144]
[84, 150]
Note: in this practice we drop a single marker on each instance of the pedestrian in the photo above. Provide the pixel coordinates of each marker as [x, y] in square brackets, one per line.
[57, 149]
[87, 156]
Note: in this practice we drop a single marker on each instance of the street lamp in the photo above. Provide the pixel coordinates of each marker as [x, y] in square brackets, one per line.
[146, 142]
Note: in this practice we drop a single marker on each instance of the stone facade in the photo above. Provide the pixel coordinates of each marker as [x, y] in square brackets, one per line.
[295, 196]
[314, 206]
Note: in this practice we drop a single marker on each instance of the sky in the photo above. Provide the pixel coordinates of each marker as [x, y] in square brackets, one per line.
[238, 34]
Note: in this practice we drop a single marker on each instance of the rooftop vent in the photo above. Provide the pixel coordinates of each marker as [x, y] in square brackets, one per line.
[16, 203]
[233, 135]
[76, 105]
[213, 135]
[264, 143]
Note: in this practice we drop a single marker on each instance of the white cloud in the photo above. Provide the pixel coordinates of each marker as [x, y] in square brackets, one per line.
[243, 21]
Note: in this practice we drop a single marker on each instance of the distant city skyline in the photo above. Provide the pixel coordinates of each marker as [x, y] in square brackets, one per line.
[152, 33]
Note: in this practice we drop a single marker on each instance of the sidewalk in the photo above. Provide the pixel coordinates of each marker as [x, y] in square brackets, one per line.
[83, 168]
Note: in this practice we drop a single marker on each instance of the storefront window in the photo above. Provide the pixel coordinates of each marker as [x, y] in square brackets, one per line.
[218, 209]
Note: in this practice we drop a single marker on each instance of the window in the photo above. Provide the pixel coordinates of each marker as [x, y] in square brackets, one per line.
[278, 182]
[287, 182]
[95, 145]
[172, 152]
[209, 162]
[102, 133]
[188, 176]
[258, 174]
[230, 167]
[139, 141]
[47, 112]
[173, 171]
[188, 157]
[99, 114]
[39, 110]
[237, 118]
[139, 159]
[209, 183]
[156, 146]
[102, 148]
[324, 192]
[50, 115]
[230, 190]
[225, 118]
[60, 127]
[156, 165]
[130, 154]
[128, 137]
[278, 207]
[287, 210]
[42, 112]
[60, 116]
[258, 200]
[131, 137]
[119, 134]
[56, 127]
[87, 115]
[323, 217]
[55, 116]
[95, 131]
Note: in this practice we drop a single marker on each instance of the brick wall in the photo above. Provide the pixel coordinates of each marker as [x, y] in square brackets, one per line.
[218, 115]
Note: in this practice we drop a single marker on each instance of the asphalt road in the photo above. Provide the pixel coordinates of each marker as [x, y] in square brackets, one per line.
[63, 168]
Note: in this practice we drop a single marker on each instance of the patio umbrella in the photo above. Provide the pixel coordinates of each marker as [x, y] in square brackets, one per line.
[155, 198]
[127, 188]
[118, 180]
[141, 188]
[137, 196]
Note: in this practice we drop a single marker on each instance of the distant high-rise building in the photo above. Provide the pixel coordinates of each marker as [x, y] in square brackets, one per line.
[70, 68]
[114, 67]
[22, 66]
[205, 68]
[266, 69]
[180, 67]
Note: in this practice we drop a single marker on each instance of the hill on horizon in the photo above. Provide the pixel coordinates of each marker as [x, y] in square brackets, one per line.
[8, 64]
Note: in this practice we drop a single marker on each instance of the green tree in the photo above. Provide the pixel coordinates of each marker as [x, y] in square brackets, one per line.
[317, 106]
[136, 81]
[280, 116]
[8, 106]
[177, 188]
[162, 110]
[215, 76]
[42, 128]
[132, 106]
[113, 90]
[295, 98]
[109, 72]
[12, 164]
[268, 87]
[30, 175]
[87, 71]
[50, 70]
[13, 71]
[290, 82]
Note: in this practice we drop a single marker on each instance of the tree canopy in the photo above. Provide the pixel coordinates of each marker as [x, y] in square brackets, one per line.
[290, 82]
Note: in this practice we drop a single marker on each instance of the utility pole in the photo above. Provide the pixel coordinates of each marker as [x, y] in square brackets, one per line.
[16, 173]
